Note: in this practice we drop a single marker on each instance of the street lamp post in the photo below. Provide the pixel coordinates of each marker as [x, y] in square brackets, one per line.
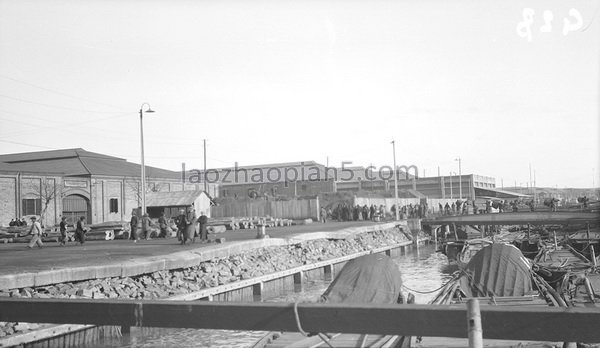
[450, 185]
[143, 167]
[395, 182]
[459, 178]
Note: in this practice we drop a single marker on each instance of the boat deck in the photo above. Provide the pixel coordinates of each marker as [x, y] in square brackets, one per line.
[297, 340]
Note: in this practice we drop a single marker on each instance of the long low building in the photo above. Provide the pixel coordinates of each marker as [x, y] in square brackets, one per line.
[76, 182]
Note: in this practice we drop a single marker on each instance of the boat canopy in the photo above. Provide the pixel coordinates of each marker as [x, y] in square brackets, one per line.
[373, 278]
[497, 270]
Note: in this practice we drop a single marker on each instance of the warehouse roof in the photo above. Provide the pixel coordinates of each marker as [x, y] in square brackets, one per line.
[77, 162]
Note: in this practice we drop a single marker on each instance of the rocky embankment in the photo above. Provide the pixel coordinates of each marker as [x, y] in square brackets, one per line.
[250, 264]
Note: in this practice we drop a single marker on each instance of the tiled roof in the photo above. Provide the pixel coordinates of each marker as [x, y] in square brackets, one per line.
[77, 162]
[172, 199]
[53, 154]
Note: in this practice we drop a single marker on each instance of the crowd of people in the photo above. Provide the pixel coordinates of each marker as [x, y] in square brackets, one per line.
[347, 212]
[189, 226]
[17, 222]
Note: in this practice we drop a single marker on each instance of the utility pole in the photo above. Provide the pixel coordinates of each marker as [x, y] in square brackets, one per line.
[205, 183]
[534, 188]
[530, 179]
[459, 178]
[450, 185]
[395, 182]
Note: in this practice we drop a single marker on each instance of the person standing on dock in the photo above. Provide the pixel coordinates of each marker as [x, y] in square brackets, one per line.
[162, 223]
[36, 233]
[133, 223]
[146, 227]
[63, 231]
[181, 223]
[190, 226]
[80, 231]
[202, 222]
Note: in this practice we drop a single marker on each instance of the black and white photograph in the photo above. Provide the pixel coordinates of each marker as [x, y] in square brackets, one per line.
[299, 173]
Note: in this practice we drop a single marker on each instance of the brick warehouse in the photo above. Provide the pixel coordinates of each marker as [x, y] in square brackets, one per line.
[76, 182]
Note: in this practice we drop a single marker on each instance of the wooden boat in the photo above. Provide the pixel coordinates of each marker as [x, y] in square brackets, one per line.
[372, 278]
[498, 275]
[585, 242]
[574, 275]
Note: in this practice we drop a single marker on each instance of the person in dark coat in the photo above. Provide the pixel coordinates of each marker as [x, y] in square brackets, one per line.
[80, 231]
[162, 223]
[63, 231]
[202, 226]
[133, 223]
[180, 221]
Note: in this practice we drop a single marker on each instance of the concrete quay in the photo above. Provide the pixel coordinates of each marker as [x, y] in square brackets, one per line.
[22, 267]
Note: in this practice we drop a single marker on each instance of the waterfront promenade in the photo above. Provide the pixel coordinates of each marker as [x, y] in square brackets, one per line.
[22, 267]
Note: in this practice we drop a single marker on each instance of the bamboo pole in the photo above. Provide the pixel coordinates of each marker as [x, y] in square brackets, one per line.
[474, 324]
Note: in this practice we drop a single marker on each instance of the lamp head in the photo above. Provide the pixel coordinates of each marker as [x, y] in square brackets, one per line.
[149, 110]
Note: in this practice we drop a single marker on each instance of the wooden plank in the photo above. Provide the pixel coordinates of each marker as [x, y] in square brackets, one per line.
[518, 323]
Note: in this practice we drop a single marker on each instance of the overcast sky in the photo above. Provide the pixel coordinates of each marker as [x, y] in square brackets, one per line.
[282, 81]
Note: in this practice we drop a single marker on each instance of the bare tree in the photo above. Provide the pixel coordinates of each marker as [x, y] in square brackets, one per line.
[135, 186]
[48, 191]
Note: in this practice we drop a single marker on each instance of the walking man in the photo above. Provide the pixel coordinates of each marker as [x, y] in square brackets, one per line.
[63, 231]
[323, 213]
[36, 233]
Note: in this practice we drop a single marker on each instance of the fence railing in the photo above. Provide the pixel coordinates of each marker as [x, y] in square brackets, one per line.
[572, 324]
[292, 209]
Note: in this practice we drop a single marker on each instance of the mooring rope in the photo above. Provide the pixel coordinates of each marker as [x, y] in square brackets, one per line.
[427, 292]
[297, 317]
[323, 337]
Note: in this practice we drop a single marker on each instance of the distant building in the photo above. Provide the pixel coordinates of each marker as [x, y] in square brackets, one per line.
[309, 178]
[76, 182]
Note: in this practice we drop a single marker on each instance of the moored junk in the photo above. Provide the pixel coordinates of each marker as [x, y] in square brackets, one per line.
[373, 278]
[498, 274]
[571, 267]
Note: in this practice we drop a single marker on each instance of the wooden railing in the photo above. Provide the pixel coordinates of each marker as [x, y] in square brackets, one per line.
[498, 322]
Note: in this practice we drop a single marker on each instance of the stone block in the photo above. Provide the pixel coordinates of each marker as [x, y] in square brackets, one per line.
[19, 280]
[137, 267]
[107, 271]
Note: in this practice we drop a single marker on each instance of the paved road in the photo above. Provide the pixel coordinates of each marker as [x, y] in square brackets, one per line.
[17, 258]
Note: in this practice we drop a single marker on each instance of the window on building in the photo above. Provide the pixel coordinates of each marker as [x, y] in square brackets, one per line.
[114, 205]
[303, 187]
[32, 206]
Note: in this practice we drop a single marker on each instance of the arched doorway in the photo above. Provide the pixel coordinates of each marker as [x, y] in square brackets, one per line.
[75, 206]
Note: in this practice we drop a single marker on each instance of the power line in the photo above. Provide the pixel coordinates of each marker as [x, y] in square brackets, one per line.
[58, 107]
[14, 142]
[57, 92]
